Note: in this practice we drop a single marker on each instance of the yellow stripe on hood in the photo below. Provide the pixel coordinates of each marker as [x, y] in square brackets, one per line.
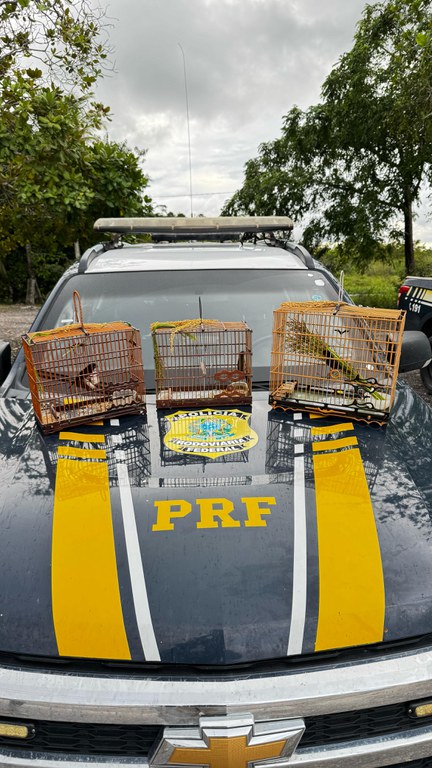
[351, 584]
[87, 611]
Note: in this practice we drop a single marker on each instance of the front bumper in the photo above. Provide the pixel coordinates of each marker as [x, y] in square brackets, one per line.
[172, 700]
[178, 700]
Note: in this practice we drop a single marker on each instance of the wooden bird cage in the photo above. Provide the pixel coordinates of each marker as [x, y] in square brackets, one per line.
[79, 373]
[336, 357]
[202, 362]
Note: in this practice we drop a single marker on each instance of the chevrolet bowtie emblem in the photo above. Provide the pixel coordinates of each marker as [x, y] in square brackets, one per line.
[229, 742]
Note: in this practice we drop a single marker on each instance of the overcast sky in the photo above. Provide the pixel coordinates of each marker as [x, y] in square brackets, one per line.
[247, 61]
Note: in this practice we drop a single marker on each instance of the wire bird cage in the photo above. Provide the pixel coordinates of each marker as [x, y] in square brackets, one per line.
[198, 362]
[79, 373]
[336, 357]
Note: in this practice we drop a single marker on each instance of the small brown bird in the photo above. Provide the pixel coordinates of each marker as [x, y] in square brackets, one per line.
[88, 378]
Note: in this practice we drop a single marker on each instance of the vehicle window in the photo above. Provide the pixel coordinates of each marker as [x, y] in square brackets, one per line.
[142, 298]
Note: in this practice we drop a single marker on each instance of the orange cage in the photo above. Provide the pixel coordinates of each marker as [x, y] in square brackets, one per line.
[201, 362]
[336, 357]
[79, 373]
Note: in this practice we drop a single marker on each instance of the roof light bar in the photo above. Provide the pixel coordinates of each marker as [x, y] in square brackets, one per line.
[199, 226]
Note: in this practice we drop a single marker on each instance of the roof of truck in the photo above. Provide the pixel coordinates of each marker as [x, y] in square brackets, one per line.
[147, 257]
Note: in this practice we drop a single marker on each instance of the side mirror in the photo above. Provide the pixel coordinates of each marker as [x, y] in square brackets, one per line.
[416, 351]
[5, 360]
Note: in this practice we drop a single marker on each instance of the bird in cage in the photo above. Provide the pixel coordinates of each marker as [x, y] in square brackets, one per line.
[88, 378]
[302, 339]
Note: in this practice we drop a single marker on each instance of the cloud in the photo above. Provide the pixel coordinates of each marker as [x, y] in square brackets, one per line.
[247, 62]
[239, 53]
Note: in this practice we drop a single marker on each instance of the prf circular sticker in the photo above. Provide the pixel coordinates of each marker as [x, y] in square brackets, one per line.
[210, 433]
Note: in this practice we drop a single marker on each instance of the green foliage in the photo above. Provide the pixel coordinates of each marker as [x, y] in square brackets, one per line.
[56, 173]
[353, 166]
[377, 284]
[118, 185]
[372, 291]
[48, 268]
[64, 36]
[423, 261]
[379, 103]
[374, 284]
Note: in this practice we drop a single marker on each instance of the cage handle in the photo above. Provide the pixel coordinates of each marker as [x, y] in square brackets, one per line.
[78, 313]
[340, 294]
[341, 285]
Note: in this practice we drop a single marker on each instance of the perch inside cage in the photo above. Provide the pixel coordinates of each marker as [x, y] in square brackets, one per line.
[202, 361]
[336, 357]
[81, 372]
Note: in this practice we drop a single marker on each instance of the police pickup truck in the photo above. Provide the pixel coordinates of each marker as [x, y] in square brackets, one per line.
[267, 602]
[415, 297]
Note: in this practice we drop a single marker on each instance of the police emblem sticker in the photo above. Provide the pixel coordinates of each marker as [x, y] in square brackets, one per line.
[210, 433]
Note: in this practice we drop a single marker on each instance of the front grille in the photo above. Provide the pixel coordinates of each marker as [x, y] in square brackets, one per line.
[87, 738]
[359, 724]
[137, 740]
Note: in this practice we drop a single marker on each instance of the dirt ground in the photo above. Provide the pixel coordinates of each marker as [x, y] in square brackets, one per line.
[16, 320]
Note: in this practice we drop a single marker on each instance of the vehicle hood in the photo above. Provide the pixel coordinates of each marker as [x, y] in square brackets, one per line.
[214, 537]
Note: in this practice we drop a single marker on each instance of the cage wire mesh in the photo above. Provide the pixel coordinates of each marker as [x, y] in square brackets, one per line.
[202, 361]
[79, 373]
[203, 482]
[336, 357]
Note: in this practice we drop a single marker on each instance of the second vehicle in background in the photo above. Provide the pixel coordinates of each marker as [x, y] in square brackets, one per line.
[415, 296]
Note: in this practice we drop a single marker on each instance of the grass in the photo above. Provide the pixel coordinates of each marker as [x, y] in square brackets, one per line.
[377, 285]
[373, 290]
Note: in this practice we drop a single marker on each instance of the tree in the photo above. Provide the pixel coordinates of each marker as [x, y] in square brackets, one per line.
[63, 37]
[284, 179]
[356, 163]
[57, 175]
[379, 100]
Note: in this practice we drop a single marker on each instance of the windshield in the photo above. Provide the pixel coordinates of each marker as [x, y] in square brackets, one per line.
[142, 298]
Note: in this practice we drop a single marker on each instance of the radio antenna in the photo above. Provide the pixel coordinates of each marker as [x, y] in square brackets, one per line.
[188, 127]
